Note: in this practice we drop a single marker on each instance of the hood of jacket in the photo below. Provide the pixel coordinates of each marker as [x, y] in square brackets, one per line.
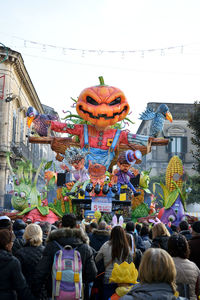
[19, 224]
[74, 237]
[152, 291]
[5, 258]
[100, 233]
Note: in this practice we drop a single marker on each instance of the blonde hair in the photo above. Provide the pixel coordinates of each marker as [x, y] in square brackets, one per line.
[33, 234]
[157, 266]
[159, 229]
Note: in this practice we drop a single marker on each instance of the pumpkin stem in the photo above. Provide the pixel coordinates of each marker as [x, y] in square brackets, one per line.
[101, 80]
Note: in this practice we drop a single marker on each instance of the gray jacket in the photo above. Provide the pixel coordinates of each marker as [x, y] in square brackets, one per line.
[153, 291]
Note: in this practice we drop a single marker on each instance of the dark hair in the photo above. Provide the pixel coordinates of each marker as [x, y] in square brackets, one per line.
[196, 226]
[183, 225]
[93, 225]
[144, 230]
[173, 228]
[178, 246]
[5, 238]
[57, 223]
[119, 242]
[138, 227]
[130, 226]
[45, 226]
[69, 220]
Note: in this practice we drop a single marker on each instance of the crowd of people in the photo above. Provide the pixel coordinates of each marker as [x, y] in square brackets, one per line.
[134, 261]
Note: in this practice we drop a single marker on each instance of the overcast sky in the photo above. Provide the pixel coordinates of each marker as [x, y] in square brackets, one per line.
[43, 31]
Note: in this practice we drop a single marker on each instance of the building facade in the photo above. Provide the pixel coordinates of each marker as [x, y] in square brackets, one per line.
[17, 93]
[180, 143]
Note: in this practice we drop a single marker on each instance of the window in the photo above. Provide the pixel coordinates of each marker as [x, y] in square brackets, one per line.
[21, 131]
[14, 127]
[177, 146]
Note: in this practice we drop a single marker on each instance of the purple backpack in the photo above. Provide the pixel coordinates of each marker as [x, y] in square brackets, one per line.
[67, 274]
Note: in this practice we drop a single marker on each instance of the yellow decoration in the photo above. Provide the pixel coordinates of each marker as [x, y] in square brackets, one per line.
[59, 193]
[81, 197]
[58, 275]
[109, 142]
[174, 173]
[76, 277]
[62, 205]
[97, 215]
[70, 206]
[124, 273]
[136, 201]
[123, 290]
[176, 294]
[122, 197]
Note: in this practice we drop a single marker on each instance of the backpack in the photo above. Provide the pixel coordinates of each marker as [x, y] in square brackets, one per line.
[66, 274]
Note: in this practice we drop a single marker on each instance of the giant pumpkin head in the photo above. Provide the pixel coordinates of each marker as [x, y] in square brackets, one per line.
[102, 105]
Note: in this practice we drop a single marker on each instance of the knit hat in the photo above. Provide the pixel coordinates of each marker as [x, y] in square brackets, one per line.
[124, 273]
[196, 226]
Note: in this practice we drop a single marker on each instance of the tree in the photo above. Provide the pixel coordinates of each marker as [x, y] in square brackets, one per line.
[193, 183]
[194, 125]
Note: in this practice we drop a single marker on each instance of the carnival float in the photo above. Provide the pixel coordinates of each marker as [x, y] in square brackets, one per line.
[99, 159]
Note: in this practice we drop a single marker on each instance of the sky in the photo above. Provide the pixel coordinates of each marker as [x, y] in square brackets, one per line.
[154, 48]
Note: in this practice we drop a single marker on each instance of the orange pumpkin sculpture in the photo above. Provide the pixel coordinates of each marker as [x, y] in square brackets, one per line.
[102, 105]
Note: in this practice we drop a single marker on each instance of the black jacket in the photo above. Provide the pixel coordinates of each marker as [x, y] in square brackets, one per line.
[12, 282]
[98, 238]
[187, 234]
[160, 242]
[139, 244]
[29, 257]
[64, 236]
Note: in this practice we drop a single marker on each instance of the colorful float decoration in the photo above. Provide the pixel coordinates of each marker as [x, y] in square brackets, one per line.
[174, 193]
[99, 144]
[26, 198]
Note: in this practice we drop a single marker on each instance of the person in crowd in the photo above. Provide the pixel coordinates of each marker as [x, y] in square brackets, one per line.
[160, 236]
[58, 224]
[138, 227]
[67, 235]
[194, 244]
[174, 228]
[184, 230]
[99, 236]
[13, 285]
[157, 275]
[92, 226]
[144, 233]
[5, 223]
[31, 253]
[137, 253]
[130, 228]
[19, 228]
[46, 229]
[125, 275]
[187, 272]
[69, 220]
[116, 250]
